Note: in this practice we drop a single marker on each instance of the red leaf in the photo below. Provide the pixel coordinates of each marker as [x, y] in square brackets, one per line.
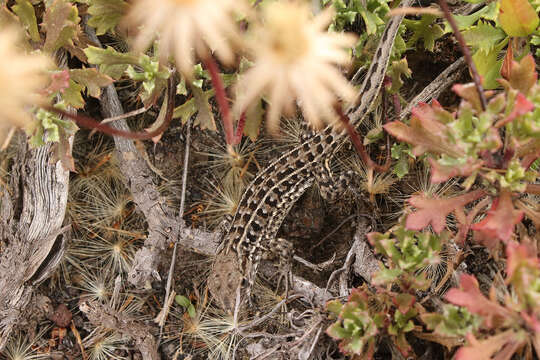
[59, 82]
[519, 255]
[441, 173]
[427, 131]
[469, 295]
[521, 107]
[435, 210]
[499, 222]
[503, 345]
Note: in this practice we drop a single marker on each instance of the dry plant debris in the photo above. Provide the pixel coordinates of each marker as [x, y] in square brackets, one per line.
[434, 254]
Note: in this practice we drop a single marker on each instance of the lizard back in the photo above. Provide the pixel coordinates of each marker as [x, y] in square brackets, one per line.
[269, 197]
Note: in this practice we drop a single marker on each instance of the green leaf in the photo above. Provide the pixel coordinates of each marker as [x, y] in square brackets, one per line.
[371, 20]
[517, 17]
[106, 14]
[90, 79]
[336, 331]
[72, 95]
[61, 25]
[191, 311]
[182, 301]
[25, 12]
[334, 307]
[200, 101]
[488, 12]
[110, 61]
[386, 276]
[483, 36]
[254, 116]
[489, 66]
[426, 29]
[401, 168]
[397, 70]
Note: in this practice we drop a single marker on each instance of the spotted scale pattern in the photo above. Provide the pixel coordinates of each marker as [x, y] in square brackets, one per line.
[272, 193]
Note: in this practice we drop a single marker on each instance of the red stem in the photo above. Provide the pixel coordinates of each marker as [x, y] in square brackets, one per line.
[221, 98]
[240, 129]
[358, 144]
[91, 123]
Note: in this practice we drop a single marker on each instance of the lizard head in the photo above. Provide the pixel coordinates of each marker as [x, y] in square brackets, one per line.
[224, 280]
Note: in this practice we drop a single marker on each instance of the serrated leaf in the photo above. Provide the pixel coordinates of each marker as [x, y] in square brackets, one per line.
[517, 17]
[106, 14]
[488, 12]
[90, 79]
[500, 221]
[205, 117]
[397, 70]
[72, 95]
[192, 106]
[61, 24]
[27, 16]
[110, 61]
[401, 168]
[489, 66]
[426, 29]
[433, 211]
[483, 36]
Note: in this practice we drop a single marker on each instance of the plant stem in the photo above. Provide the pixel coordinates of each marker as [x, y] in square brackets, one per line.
[90, 123]
[358, 144]
[466, 52]
[221, 98]
[240, 129]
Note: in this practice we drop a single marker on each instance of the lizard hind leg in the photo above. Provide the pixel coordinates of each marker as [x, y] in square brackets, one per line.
[330, 185]
[284, 251]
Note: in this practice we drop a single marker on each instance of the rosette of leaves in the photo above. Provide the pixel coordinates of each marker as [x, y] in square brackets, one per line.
[355, 328]
[367, 315]
[497, 144]
[407, 252]
[450, 327]
[465, 143]
[494, 328]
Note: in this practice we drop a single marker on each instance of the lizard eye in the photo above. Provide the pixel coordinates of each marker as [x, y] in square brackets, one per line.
[244, 283]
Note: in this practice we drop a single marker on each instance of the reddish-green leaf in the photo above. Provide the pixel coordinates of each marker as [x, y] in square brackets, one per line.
[517, 17]
[59, 82]
[500, 221]
[61, 23]
[521, 107]
[502, 345]
[434, 210]
[91, 79]
[427, 132]
[441, 173]
[521, 75]
[469, 295]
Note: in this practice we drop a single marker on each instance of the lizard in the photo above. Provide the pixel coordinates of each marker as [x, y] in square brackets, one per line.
[251, 234]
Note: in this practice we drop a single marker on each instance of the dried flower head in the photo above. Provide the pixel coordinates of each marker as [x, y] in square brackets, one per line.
[295, 59]
[185, 26]
[22, 75]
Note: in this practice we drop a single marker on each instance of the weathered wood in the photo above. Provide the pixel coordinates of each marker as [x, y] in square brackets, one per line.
[33, 209]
